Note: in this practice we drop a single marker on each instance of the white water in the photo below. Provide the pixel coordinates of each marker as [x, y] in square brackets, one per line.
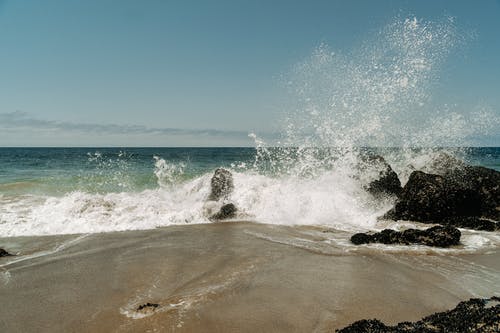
[330, 199]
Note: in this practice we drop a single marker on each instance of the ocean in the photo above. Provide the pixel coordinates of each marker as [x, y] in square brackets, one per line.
[45, 191]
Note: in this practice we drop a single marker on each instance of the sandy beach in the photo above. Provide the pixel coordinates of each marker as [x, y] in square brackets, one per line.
[227, 277]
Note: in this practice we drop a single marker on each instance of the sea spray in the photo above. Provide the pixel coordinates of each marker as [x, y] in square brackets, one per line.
[168, 174]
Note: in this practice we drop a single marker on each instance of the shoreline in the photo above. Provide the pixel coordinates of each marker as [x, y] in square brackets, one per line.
[226, 276]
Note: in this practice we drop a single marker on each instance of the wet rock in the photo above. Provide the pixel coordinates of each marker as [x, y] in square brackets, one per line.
[459, 191]
[484, 182]
[361, 238]
[439, 236]
[365, 326]
[471, 222]
[4, 253]
[221, 184]
[474, 315]
[428, 198]
[228, 211]
[387, 181]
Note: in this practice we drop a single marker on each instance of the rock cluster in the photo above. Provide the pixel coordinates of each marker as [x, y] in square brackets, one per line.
[456, 195]
[429, 198]
[440, 236]
[472, 316]
[458, 190]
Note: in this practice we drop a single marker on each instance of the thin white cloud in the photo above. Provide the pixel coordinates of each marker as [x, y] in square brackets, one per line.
[22, 120]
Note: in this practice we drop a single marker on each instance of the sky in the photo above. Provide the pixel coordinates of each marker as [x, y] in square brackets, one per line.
[199, 73]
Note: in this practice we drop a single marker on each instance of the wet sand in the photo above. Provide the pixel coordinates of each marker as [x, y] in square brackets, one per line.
[227, 277]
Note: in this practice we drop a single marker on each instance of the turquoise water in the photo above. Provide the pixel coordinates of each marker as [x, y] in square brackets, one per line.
[57, 171]
[100, 170]
[86, 190]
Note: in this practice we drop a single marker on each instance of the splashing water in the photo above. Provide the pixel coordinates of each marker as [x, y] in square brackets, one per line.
[379, 95]
[108, 172]
[373, 96]
[167, 174]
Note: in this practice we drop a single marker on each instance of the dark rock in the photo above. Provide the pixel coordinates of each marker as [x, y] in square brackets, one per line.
[428, 198]
[365, 326]
[387, 181]
[459, 190]
[147, 306]
[361, 238]
[439, 236]
[4, 253]
[471, 222]
[227, 211]
[221, 184]
[482, 181]
[472, 316]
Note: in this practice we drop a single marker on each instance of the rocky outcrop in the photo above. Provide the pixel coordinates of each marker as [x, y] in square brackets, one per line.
[4, 253]
[386, 181]
[484, 182]
[429, 198]
[228, 211]
[440, 236]
[472, 316]
[221, 185]
[458, 194]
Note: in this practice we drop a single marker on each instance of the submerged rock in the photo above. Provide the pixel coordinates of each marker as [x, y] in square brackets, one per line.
[228, 211]
[474, 315]
[4, 253]
[440, 236]
[221, 184]
[387, 181]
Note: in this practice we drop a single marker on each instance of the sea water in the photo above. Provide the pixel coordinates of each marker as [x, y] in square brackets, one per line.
[80, 190]
[378, 95]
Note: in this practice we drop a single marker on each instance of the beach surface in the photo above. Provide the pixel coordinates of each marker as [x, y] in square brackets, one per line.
[229, 277]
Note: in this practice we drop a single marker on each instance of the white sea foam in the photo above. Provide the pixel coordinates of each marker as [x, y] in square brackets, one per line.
[331, 199]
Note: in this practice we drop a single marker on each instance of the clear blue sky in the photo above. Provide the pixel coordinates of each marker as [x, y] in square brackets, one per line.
[196, 73]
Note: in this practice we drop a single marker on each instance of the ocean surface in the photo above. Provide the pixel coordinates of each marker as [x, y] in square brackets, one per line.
[80, 190]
